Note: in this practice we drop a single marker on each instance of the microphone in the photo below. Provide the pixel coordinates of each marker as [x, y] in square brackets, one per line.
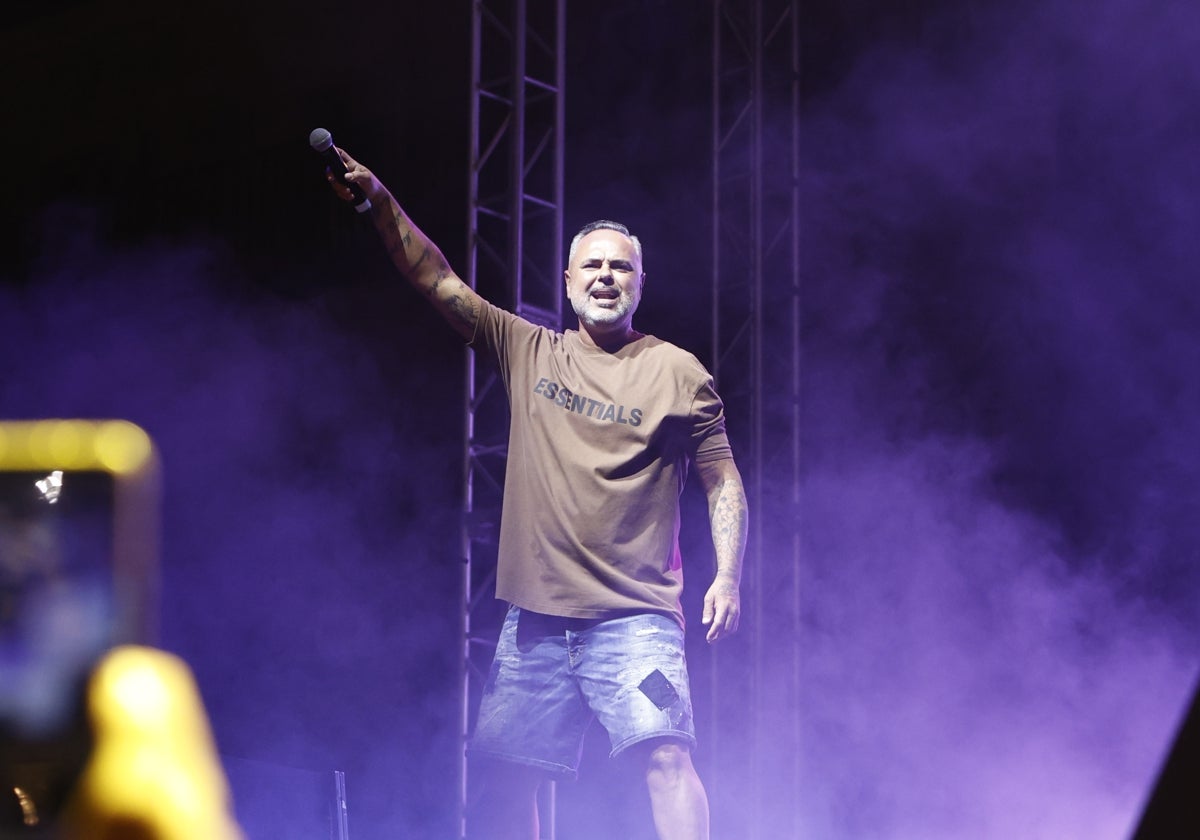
[322, 143]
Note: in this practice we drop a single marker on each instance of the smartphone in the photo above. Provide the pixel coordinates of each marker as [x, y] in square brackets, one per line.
[78, 576]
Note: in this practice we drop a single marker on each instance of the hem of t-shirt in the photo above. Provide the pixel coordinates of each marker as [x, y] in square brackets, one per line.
[598, 614]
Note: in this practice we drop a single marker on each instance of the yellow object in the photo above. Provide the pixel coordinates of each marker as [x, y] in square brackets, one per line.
[116, 446]
[153, 773]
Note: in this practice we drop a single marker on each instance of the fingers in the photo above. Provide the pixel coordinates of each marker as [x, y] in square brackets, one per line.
[339, 188]
[708, 616]
[716, 631]
[355, 171]
[722, 615]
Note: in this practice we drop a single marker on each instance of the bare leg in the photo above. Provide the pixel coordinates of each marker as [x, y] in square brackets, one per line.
[677, 795]
[503, 801]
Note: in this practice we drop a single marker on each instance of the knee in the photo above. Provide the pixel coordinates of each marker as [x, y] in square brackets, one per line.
[502, 800]
[668, 765]
[490, 779]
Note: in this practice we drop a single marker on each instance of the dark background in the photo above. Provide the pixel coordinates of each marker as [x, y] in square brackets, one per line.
[999, 203]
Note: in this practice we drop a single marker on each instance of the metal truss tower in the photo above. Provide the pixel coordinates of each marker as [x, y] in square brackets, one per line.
[514, 258]
[755, 755]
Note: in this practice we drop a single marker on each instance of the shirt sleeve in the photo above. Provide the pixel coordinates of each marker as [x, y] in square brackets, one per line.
[501, 334]
[492, 330]
[708, 439]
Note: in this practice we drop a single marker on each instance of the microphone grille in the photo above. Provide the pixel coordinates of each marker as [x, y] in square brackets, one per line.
[320, 139]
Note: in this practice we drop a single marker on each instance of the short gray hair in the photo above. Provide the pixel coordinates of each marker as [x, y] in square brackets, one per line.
[602, 224]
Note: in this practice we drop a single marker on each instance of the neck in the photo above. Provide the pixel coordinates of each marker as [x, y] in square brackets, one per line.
[612, 339]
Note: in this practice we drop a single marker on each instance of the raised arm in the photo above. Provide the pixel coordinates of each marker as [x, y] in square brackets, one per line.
[728, 519]
[413, 253]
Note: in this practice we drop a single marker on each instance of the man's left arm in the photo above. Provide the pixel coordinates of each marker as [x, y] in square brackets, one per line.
[727, 517]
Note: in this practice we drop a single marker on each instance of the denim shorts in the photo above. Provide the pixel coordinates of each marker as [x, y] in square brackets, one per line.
[552, 676]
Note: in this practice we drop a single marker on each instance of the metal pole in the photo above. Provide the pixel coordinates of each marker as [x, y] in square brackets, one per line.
[472, 267]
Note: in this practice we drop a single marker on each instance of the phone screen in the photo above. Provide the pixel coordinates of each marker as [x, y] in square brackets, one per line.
[58, 599]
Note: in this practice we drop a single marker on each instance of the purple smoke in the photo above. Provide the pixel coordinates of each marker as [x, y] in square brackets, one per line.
[998, 391]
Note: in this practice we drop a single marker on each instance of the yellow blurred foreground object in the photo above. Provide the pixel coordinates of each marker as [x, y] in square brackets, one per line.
[153, 773]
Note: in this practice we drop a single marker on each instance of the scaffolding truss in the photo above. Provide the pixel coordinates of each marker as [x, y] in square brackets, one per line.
[514, 258]
[756, 351]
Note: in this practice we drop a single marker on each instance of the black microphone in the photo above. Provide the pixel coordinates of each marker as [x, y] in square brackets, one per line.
[322, 143]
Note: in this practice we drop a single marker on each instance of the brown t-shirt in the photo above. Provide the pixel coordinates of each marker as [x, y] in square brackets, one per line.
[599, 446]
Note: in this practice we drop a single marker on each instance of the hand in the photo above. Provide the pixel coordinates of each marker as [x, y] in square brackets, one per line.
[154, 771]
[722, 608]
[356, 174]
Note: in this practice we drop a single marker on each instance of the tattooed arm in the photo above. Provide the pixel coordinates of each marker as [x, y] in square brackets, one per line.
[727, 517]
[413, 253]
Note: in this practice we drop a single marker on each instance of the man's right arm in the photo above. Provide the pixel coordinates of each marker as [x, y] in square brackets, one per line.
[414, 254]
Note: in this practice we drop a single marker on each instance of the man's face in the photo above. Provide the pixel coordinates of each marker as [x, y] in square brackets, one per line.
[604, 282]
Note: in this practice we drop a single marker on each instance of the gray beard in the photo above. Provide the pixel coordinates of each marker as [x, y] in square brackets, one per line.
[590, 314]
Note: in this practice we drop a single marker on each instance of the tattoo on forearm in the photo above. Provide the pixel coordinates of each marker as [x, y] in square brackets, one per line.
[726, 587]
[457, 303]
[395, 249]
[397, 235]
[728, 517]
[420, 259]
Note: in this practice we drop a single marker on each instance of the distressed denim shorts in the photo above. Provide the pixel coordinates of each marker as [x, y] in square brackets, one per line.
[552, 676]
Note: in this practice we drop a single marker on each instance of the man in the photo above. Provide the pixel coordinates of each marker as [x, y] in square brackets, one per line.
[605, 421]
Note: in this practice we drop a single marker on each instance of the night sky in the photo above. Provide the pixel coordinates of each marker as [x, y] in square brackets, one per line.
[1000, 345]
